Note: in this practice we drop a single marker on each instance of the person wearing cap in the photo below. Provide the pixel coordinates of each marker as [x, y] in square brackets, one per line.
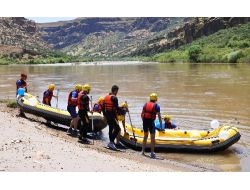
[148, 115]
[72, 103]
[83, 107]
[168, 124]
[98, 105]
[21, 83]
[48, 94]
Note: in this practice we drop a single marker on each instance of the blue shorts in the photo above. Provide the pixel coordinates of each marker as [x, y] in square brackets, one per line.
[72, 111]
[149, 125]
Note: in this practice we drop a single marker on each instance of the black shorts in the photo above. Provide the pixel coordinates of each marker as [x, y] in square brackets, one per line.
[149, 125]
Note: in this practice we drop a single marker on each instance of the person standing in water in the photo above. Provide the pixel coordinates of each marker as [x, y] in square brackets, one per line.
[110, 107]
[21, 83]
[148, 115]
[48, 94]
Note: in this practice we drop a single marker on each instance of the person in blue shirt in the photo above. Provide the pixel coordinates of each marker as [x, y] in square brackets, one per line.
[168, 124]
[148, 115]
[21, 83]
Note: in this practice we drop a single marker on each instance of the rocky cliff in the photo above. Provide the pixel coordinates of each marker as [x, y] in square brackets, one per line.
[187, 33]
[19, 36]
[105, 36]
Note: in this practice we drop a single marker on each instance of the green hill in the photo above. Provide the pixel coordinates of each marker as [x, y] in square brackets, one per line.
[227, 45]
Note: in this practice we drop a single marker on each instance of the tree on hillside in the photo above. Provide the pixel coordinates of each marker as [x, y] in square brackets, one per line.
[194, 53]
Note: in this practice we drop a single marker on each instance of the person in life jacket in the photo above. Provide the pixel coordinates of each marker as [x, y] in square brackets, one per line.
[83, 107]
[110, 107]
[168, 124]
[98, 105]
[48, 94]
[148, 115]
[72, 104]
[121, 115]
[21, 83]
[20, 86]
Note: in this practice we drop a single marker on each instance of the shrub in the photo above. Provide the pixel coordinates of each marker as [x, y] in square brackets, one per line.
[234, 56]
[194, 53]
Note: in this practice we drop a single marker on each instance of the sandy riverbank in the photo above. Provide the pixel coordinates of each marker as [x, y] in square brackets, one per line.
[30, 145]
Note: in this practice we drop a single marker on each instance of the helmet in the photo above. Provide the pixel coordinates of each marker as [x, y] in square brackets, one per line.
[86, 88]
[124, 105]
[167, 117]
[51, 87]
[153, 97]
[78, 87]
[101, 99]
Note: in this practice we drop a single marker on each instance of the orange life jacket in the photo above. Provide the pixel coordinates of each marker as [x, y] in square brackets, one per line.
[109, 104]
[149, 111]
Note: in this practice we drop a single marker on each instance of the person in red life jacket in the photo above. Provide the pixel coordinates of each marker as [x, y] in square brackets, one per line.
[168, 124]
[98, 106]
[21, 83]
[83, 107]
[72, 103]
[148, 115]
[110, 107]
[121, 115]
[48, 94]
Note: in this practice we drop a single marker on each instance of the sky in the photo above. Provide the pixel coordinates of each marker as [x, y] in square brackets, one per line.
[49, 19]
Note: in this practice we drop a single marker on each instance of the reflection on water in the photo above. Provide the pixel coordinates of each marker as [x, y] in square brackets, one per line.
[193, 93]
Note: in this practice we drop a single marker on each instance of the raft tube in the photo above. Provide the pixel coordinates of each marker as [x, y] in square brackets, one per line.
[30, 104]
[184, 140]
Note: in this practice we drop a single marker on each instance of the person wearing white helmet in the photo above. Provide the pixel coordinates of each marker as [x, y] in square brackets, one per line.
[148, 115]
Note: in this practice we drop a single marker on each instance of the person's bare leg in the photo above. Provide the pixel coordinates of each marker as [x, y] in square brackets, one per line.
[152, 136]
[144, 142]
[75, 122]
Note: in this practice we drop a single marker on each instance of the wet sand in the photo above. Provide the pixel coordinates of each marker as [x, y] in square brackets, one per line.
[27, 144]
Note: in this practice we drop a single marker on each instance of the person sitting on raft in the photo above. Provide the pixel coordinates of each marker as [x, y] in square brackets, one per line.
[72, 104]
[98, 105]
[48, 94]
[168, 124]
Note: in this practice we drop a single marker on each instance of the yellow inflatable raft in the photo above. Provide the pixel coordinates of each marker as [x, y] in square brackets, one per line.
[185, 140]
[30, 104]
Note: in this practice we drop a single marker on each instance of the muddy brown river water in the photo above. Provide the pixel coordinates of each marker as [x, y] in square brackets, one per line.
[193, 93]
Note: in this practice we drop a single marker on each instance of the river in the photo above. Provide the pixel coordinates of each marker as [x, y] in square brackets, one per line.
[193, 94]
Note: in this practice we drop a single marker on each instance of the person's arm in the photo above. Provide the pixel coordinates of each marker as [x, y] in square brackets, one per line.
[115, 101]
[142, 112]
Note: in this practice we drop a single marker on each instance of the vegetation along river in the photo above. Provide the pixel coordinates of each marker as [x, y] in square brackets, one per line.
[193, 94]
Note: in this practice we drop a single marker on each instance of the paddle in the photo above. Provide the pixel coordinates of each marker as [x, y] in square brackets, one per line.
[57, 93]
[92, 120]
[131, 123]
